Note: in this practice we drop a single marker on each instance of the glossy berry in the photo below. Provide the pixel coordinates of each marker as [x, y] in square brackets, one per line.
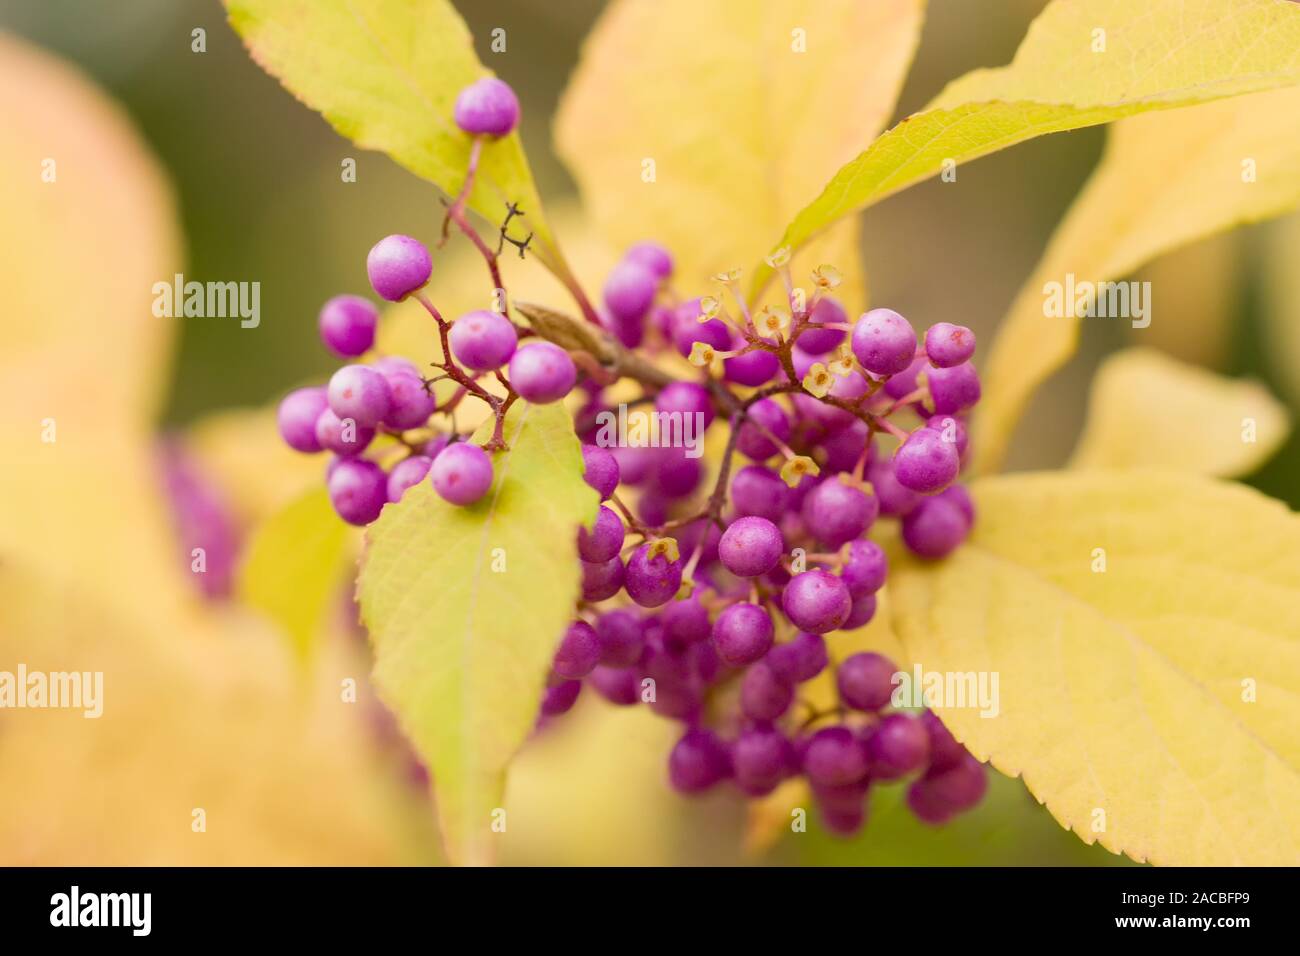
[897, 746]
[953, 389]
[947, 345]
[560, 697]
[935, 527]
[698, 761]
[755, 490]
[834, 758]
[542, 372]
[652, 579]
[865, 568]
[798, 660]
[652, 256]
[836, 512]
[765, 417]
[600, 470]
[410, 403]
[296, 418]
[685, 622]
[347, 325]
[483, 340]
[398, 265]
[866, 681]
[604, 540]
[926, 463]
[629, 291]
[601, 580]
[360, 393]
[462, 473]
[760, 759]
[742, 634]
[578, 653]
[687, 330]
[763, 695]
[358, 490]
[407, 474]
[904, 383]
[895, 500]
[819, 341]
[752, 368]
[951, 429]
[750, 546]
[344, 437]
[816, 601]
[686, 399]
[677, 474]
[884, 342]
[487, 106]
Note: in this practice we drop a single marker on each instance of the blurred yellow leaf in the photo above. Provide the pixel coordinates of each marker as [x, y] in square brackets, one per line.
[1145, 627]
[1282, 311]
[1151, 411]
[1165, 179]
[706, 125]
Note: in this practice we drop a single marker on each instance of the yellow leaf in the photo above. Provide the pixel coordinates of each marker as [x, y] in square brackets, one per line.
[1282, 314]
[1165, 179]
[1151, 411]
[1149, 701]
[1066, 75]
[736, 125]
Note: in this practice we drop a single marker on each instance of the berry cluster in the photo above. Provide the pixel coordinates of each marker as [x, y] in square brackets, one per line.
[711, 607]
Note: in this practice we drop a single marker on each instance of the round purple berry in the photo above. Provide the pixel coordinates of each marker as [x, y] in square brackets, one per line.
[407, 474]
[600, 470]
[603, 580]
[864, 568]
[560, 698]
[816, 601]
[686, 399]
[685, 622]
[764, 417]
[752, 368]
[618, 685]
[578, 653]
[487, 106]
[861, 613]
[926, 463]
[698, 761]
[742, 634]
[837, 512]
[897, 746]
[944, 749]
[756, 490]
[750, 546]
[815, 341]
[483, 340]
[297, 415]
[947, 345]
[542, 372]
[360, 393]
[629, 291]
[935, 527]
[761, 758]
[763, 695]
[358, 490]
[938, 796]
[651, 256]
[410, 402]
[343, 436]
[621, 634]
[834, 758]
[652, 579]
[895, 500]
[798, 660]
[347, 325]
[951, 429]
[398, 265]
[687, 330]
[904, 383]
[462, 473]
[866, 681]
[953, 389]
[884, 342]
[604, 540]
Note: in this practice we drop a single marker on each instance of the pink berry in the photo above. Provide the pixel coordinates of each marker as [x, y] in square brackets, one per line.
[360, 393]
[925, 462]
[347, 325]
[297, 417]
[816, 601]
[487, 106]
[462, 473]
[542, 372]
[483, 340]
[750, 547]
[398, 265]
[884, 342]
[407, 474]
[343, 436]
[358, 490]
[629, 291]
[953, 389]
[652, 256]
[947, 345]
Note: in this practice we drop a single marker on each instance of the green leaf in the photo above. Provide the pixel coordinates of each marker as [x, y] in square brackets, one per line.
[385, 74]
[1145, 631]
[295, 567]
[1158, 54]
[465, 607]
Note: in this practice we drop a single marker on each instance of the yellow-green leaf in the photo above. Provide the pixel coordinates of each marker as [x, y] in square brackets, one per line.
[739, 111]
[465, 607]
[1066, 75]
[1148, 410]
[1166, 179]
[1145, 627]
[385, 74]
[293, 569]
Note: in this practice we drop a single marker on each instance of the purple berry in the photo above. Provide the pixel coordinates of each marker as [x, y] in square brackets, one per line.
[904, 383]
[884, 342]
[897, 746]
[344, 437]
[753, 440]
[559, 698]
[618, 685]
[742, 634]
[487, 106]
[686, 399]
[842, 808]
[410, 403]
[578, 653]
[951, 429]
[953, 389]
[937, 796]
[861, 613]
[836, 512]
[652, 579]
[483, 340]
[865, 568]
[750, 546]
[760, 758]
[398, 265]
[297, 417]
[601, 581]
[846, 446]
[677, 475]
[935, 527]
[347, 325]
[652, 256]
[698, 761]
[685, 622]
[944, 749]
[358, 490]
[462, 473]
[925, 462]
[866, 681]
[798, 660]
[895, 500]
[604, 540]
[629, 291]
[753, 368]
[947, 345]
[757, 491]
[621, 634]
[600, 469]
[687, 330]
[834, 758]
[816, 601]
[360, 393]
[815, 341]
[959, 496]
[407, 474]
[542, 372]
[763, 695]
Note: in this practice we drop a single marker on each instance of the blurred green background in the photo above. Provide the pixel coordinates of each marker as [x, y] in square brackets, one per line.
[256, 176]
